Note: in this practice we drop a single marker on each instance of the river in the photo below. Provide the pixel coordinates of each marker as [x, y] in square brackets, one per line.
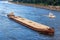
[10, 30]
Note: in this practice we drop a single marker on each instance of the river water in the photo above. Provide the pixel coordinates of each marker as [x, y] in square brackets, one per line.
[10, 30]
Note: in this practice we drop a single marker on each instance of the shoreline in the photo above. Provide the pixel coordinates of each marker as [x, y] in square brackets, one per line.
[56, 8]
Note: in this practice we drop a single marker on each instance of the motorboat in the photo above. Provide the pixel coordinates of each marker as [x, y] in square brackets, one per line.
[51, 15]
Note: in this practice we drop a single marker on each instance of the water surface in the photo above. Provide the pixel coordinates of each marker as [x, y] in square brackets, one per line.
[10, 30]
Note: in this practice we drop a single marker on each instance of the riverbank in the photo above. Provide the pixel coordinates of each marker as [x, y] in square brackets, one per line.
[57, 8]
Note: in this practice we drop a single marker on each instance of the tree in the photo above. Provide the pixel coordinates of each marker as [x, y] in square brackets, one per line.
[48, 2]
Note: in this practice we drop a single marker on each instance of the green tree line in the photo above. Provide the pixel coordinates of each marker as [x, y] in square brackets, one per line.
[45, 2]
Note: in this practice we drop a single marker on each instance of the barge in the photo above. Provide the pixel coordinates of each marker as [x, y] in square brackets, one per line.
[32, 25]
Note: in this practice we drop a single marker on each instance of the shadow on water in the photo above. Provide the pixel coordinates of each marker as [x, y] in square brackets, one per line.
[12, 38]
[46, 34]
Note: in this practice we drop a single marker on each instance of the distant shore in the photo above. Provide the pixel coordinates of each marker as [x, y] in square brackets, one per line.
[57, 8]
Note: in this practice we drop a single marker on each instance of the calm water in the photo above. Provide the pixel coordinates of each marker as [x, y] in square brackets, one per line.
[10, 30]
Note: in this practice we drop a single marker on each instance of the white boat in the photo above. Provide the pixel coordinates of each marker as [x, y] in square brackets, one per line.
[51, 15]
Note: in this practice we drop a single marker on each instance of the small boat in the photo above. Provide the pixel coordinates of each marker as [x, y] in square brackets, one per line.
[32, 25]
[51, 15]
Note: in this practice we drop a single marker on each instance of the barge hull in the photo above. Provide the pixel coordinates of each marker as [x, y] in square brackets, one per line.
[32, 25]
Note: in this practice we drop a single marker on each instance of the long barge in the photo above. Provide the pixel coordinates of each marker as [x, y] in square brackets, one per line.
[32, 25]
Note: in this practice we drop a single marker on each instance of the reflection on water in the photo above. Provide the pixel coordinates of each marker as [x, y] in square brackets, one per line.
[9, 30]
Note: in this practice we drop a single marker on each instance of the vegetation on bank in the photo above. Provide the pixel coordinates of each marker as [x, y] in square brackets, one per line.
[44, 2]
